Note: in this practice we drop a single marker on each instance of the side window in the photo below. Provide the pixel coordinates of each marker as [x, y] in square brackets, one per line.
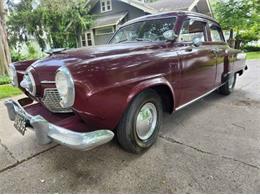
[216, 34]
[193, 29]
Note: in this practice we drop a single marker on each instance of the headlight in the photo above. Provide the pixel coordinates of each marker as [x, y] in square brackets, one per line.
[65, 87]
[13, 75]
[28, 82]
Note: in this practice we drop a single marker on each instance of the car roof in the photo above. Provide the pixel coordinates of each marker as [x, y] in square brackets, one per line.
[170, 14]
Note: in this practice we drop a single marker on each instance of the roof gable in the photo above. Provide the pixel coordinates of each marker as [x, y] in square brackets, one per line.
[203, 6]
[137, 4]
[166, 5]
[170, 5]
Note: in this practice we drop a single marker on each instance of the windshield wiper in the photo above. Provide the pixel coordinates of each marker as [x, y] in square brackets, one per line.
[55, 51]
[125, 40]
[142, 39]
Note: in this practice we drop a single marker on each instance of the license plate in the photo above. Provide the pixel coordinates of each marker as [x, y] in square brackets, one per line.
[20, 123]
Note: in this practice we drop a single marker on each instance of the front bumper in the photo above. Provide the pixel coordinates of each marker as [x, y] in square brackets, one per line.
[47, 132]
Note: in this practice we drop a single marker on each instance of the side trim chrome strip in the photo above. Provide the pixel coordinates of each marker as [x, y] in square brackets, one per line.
[184, 105]
[47, 82]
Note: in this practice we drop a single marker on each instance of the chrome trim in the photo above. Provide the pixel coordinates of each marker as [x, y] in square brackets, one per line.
[14, 75]
[67, 102]
[241, 56]
[184, 105]
[47, 132]
[25, 83]
[47, 82]
[51, 99]
[33, 83]
[146, 121]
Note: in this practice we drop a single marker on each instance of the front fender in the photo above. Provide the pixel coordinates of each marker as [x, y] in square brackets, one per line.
[105, 108]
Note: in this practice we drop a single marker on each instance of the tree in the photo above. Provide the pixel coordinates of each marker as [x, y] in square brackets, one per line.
[240, 17]
[57, 22]
[5, 58]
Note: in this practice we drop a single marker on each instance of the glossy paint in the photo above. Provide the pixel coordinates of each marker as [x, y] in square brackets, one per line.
[108, 77]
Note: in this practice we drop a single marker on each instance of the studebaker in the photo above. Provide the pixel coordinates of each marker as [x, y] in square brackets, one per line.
[82, 97]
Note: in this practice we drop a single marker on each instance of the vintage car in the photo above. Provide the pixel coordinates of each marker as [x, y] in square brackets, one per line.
[82, 98]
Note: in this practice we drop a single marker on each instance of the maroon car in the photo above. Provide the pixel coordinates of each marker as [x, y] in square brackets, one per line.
[160, 63]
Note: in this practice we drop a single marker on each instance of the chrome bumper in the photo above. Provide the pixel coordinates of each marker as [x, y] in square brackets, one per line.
[47, 132]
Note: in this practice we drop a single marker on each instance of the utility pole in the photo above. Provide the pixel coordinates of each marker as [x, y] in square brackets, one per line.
[5, 58]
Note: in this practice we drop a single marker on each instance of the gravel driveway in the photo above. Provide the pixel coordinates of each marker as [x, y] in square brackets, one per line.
[212, 146]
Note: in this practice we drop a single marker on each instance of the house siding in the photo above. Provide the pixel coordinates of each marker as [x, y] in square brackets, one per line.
[118, 6]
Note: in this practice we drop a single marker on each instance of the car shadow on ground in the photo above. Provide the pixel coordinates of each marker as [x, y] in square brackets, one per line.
[101, 153]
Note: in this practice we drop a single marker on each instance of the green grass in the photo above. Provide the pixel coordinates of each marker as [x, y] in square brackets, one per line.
[8, 91]
[5, 80]
[253, 55]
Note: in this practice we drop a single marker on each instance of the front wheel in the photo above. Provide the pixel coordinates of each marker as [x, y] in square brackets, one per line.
[139, 127]
[229, 85]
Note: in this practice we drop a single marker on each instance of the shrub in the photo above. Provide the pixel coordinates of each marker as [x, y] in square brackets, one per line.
[248, 48]
[16, 56]
[5, 80]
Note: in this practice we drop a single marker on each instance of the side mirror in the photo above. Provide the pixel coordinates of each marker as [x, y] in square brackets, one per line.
[197, 42]
[170, 35]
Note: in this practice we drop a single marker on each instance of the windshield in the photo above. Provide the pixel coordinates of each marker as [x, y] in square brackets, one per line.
[150, 30]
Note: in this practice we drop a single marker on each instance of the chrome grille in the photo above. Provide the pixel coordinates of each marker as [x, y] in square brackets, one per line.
[51, 100]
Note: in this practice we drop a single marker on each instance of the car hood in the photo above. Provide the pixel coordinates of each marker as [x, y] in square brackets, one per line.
[73, 56]
[46, 68]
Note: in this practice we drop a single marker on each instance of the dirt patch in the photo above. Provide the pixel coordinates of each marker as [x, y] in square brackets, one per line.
[247, 103]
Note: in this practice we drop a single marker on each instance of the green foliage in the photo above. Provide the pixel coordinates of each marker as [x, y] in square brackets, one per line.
[242, 16]
[57, 22]
[251, 48]
[8, 91]
[17, 56]
[31, 54]
[5, 80]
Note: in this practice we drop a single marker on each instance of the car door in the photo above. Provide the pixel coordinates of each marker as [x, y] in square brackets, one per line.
[198, 63]
[219, 47]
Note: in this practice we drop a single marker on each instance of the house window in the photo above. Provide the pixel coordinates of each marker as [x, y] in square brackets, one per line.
[83, 40]
[106, 5]
[105, 30]
[87, 39]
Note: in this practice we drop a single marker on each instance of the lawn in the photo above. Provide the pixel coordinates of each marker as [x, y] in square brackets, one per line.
[253, 55]
[8, 91]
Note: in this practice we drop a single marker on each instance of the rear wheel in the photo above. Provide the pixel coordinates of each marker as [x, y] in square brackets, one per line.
[229, 85]
[139, 127]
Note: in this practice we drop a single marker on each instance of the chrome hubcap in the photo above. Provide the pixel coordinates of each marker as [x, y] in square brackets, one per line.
[231, 82]
[146, 121]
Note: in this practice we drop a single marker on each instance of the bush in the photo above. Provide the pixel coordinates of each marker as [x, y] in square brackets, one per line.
[30, 51]
[248, 48]
[5, 80]
[16, 56]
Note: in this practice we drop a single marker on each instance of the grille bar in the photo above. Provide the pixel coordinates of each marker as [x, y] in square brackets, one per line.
[51, 100]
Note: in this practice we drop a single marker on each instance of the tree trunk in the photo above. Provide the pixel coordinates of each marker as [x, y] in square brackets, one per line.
[231, 41]
[5, 57]
[238, 44]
